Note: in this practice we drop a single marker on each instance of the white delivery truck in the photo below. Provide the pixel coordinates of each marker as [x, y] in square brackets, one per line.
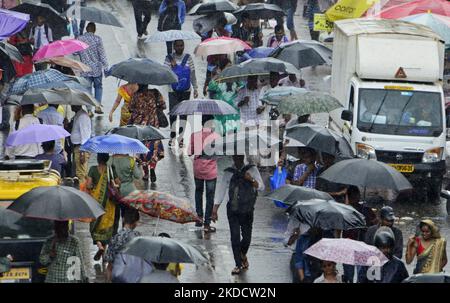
[388, 76]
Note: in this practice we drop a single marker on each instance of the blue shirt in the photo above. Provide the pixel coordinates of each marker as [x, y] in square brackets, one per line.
[300, 258]
[94, 56]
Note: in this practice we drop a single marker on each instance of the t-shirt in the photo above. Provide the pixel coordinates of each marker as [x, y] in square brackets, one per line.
[57, 160]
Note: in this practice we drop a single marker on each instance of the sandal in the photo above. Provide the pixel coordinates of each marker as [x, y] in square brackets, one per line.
[236, 271]
[209, 229]
[245, 264]
[99, 254]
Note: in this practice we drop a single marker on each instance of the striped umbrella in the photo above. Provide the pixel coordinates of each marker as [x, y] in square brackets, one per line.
[114, 144]
[203, 106]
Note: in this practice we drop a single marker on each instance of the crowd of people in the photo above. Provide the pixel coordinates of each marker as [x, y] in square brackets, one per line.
[238, 186]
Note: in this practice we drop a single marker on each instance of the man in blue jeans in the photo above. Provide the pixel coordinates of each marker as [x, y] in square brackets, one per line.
[289, 7]
[94, 57]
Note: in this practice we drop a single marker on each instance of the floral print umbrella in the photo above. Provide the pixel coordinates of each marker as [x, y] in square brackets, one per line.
[347, 251]
[162, 205]
[308, 103]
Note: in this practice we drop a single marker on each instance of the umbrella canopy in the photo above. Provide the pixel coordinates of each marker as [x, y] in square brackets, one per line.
[35, 79]
[213, 6]
[58, 96]
[346, 251]
[75, 65]
[59, 48]
[303, 53]
[207, 23]
[36, 133]
[367, 173]
[428, 278]
[114, 144]
[274, 96]
[172, 35]
[72, 84]
[164, 250]
[308, 103]
[10, 51]
[260, 52]
[11, 23]
[162, 205]
[220, 46]
[256, 67]
[59, 203]
[261, 11]
[57, 22]
[143, 71]
[438, 23]
[328, 214]
[290, 194]
[440, 7]
[141, 133]
[203, 106]
[99, 16]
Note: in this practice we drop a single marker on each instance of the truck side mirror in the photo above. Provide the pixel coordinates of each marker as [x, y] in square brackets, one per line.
[347, 115]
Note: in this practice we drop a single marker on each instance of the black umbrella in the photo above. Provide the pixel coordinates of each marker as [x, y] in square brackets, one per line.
[261, 11]
[303, 53]
[143, 71]
[366, 173]
[10, 51]
[290, 194]
[164, 250]
[56, 21]
[98, 16]
[213, 6]
[59, 203]
[328, 215]
[428, 278]
[141, 133]
[256, 67]
[58, 96]
[319, 138]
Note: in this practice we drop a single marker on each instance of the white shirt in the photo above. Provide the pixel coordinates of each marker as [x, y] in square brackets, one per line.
[248, 113]
[82, 129]
[224, 184]
[44, 39]
[50, 116]
[287, 82]
[26, 150]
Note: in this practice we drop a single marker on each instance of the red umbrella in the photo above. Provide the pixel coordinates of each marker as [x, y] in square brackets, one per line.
[440, 7]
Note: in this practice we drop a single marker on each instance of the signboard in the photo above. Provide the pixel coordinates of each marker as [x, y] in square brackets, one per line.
[322, 24]
[348, 9]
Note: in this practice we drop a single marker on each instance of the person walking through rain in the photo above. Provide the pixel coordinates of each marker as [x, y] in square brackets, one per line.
[239, 187]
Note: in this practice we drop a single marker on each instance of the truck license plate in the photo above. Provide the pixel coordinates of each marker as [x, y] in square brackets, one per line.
[403, 168]
[16, 275]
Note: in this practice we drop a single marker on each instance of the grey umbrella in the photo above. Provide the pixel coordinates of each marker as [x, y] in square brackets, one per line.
[143, 71]
[172, 35]
[213, 6]
[58, 96]
[141, 133]
[303, 53]
[256, 67]
[261, 11]
[428, 278]
[10, 51]
[290, 194]
[58, 203]
[203, 106]
[164, 250]
[319, 138]
[98, 16]
[366, 173]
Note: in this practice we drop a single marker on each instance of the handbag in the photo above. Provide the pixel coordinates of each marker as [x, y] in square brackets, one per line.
[163, 122]
[277, 180]
[113, 188]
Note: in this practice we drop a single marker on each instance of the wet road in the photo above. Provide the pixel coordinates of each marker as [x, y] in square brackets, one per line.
[269, 259]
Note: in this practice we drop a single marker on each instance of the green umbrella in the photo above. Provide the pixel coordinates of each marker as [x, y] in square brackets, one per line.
[308, 103]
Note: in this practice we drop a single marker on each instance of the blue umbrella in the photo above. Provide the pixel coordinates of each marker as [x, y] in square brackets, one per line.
[172, 35]
[35, 79]
[438, 23]
[114, 144]
[11, 23]
[260, 52]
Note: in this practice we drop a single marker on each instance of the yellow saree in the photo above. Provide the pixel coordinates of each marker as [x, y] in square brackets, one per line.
[124, 112]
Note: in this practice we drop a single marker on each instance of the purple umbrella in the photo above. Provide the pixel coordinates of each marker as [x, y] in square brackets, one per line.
[11, 23]
[36, 133]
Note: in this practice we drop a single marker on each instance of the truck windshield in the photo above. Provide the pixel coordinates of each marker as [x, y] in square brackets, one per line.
[15, 226]
[397, 112]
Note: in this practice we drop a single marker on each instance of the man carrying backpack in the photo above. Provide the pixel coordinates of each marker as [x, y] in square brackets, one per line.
[40, 35]
[183, 66]
[239, 186]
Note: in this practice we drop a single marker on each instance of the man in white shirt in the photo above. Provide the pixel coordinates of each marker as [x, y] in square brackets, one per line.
[292, 81]
[249, 104]
[81, 132]
[25, 151]
[41, 35]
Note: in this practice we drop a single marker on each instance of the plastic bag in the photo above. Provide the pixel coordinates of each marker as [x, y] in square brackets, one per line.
[278, 180]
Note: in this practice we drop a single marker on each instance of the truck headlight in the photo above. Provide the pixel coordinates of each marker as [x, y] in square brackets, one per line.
[365, 151]
[433, 155]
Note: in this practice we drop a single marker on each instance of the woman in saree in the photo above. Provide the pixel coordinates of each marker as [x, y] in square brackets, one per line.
[105, 227]
[124, 92]
[226, 92]
[429, 247]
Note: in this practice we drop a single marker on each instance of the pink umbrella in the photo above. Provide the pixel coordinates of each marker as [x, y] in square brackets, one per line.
[220, 46]
[440, 7]
[59, 48]
[347, 251]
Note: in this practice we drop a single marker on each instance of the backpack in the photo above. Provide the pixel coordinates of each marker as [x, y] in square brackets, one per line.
[242, 194]
[183, 72]
[168, 21]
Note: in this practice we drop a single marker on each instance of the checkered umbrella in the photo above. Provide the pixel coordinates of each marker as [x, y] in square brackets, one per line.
[114, 144]
[35, 79]
[203, 106]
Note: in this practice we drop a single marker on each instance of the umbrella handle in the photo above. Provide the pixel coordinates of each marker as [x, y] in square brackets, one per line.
[156, 226]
